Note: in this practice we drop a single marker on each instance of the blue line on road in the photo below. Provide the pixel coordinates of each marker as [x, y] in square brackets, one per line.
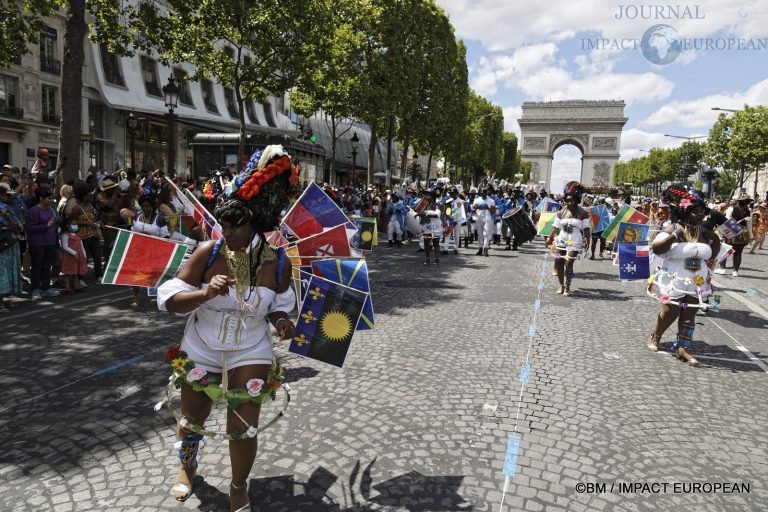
[116, 366]
[510, 459]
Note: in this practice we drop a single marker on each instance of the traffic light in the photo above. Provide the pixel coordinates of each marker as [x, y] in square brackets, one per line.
[311, 135]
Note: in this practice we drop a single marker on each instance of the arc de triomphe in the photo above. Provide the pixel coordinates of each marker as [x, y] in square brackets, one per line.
[592, 126]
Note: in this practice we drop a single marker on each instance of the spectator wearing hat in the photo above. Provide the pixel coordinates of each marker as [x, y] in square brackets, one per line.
[108, 205]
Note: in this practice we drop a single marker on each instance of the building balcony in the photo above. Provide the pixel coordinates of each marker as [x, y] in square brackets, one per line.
[49, 65]
[51, 119]
[11, 112]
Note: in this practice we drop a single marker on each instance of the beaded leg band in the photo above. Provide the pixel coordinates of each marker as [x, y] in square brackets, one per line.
[188, 448]
[684, 336]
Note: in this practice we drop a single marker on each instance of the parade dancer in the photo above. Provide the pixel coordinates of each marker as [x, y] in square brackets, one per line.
[518, 200]
[683, 279]
[431, 231]
[396, 211]
[570, 234]
[484, 207]
[455, 219]
[234, 289]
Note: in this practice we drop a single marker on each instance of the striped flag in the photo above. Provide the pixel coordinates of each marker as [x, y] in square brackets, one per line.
[626, 214]
[143, 260]
[194, 208]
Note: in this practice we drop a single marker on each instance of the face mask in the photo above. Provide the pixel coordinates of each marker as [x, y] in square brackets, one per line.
[73, 228]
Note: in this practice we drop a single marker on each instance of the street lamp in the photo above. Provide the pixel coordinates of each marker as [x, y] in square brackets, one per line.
[354, 142]
[132, 124]
[725, 109]
[684, 177]
[171, 95]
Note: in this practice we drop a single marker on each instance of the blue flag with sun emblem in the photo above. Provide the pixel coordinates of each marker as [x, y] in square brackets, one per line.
[352, 272]
[363, 238]
[327, 320]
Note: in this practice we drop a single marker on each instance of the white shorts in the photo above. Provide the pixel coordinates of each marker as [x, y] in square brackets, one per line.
[210, 360]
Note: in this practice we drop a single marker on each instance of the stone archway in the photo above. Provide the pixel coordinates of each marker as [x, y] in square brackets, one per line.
[592, 126]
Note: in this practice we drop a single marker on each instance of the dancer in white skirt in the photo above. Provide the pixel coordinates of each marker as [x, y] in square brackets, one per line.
[683, 280]
[570, 235]
[233, 289]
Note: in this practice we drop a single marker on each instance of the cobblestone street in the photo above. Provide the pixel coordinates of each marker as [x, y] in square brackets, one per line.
[419, 417]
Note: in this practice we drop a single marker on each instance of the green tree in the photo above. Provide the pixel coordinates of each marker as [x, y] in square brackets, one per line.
[329, 87]
[738, 144]
[253, 48]
[511, 163]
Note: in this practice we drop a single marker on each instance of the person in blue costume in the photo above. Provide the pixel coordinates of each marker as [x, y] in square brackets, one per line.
[396, 211]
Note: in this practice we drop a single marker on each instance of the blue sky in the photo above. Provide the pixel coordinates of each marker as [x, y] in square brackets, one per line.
[533, 51]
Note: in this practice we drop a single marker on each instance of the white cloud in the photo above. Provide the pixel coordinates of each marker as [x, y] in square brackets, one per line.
[501, 26]
[511, 115]
[698, 113]
[535, 73]
[566, 166]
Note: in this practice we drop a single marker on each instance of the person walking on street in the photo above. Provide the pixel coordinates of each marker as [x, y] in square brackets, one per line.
[484, 207]
[683, 280]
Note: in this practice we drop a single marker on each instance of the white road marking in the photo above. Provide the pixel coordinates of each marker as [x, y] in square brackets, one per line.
[751, 305]
[741, 347]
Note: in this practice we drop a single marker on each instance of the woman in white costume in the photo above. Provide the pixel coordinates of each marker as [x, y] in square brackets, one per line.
[234, 289]
[570, 235]
[683, 279]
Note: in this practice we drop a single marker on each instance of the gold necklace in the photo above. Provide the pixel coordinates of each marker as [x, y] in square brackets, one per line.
[240, 270]
[691, 237]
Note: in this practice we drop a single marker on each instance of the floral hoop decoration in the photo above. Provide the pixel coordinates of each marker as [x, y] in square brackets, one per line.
[257, 391]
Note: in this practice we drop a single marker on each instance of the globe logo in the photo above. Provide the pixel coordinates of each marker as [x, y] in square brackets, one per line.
[661, 44]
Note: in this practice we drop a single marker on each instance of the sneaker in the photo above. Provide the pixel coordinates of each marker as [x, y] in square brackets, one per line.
[81, 284]
[719, 271]
[50, 292]
[455, 251]
[735, 273]
[37, 295]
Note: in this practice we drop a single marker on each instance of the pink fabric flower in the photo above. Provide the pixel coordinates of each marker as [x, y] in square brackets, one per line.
[664, 299]
[195, 374]
[685, 203]
[254, 386]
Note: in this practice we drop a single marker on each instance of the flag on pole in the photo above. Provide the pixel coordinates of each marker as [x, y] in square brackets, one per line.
[193, 207]
[626, 214]
[599, 217]
[634, 261]
[143, 260]
[313, 212]
[328, 244]
[327, 320]
[275, 238]
[546, 223]
[632, 232]
[547, 205]
[352, 272]
[363, 237]
[421, 205]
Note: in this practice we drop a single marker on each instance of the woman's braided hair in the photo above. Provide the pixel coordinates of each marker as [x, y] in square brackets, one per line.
[680, 201]
[259, 194]
[575, 189]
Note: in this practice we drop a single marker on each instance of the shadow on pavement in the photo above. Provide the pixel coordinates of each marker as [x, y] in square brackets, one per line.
[410, 491]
